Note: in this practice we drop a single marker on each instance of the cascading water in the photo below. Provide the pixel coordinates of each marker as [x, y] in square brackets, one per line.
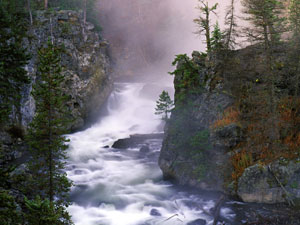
[125, 187]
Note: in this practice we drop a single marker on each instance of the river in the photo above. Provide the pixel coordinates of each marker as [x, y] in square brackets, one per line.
[126, 187]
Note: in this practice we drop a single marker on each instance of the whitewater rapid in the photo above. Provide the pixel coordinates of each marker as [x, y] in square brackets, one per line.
[125, 187]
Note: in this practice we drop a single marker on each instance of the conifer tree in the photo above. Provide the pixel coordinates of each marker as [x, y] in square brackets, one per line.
[267, 28]
[164, 105]
[294, 21]
[13, 58]
[231, 26]
[203, 22]
[217, 38]
[265, 16]
[45, 135]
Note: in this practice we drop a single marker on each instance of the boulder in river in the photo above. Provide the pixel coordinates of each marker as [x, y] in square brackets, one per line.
[155, 212]
[197, 222]
[273, 183]
[135, 140]
[144, 149]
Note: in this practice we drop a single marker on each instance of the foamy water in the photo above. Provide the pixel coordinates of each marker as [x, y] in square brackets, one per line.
[125, 187]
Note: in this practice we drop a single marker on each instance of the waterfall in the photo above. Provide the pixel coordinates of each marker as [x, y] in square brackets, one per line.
[125, 186]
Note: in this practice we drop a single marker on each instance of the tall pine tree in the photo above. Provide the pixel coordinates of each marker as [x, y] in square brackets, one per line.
[203, 21]
[13, 58]
[45, 135]
[267, 23]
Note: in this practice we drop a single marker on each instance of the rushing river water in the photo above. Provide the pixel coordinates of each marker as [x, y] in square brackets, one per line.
[125, 187]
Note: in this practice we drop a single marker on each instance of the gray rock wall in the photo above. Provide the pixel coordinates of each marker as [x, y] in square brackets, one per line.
[198, 154]
[192, 153]
[86, 66]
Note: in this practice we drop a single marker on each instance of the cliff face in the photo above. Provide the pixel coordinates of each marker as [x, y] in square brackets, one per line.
[86, 66]
[219, 132]
[192, 154]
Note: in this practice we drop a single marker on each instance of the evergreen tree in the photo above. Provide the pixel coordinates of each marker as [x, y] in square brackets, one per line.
[44, 212]
[267, 28]
[45, 135]
[164, 105]
[217, 38]
[203, 22]
[13, 58]
[266, 18]
[294, 21]
[231, 26]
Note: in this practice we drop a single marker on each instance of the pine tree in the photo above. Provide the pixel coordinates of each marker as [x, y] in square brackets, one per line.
[230, 33]
[267, 28]
[217, 38]
[44, 212]
[294, 21]
[203, 22]
[45, 135]
[164, 105]
[13, 58]
[265, 16]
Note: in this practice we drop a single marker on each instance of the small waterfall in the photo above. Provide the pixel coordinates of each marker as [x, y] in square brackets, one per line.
[125, 186]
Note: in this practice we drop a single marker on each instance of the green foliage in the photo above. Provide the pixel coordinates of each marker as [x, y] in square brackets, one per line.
[266, 17]
[8, 209]
[92, 12]
[164, 105]
[203, 22]
[13, 58]
[187, 78]
[217, 38]
[45, 212]
[45, 134]
[294, 17]
[200, 140]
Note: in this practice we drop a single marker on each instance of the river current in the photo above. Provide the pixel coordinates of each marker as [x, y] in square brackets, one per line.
[126, 187]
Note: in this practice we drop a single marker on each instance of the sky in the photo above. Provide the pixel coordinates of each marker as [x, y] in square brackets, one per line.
[144, 34]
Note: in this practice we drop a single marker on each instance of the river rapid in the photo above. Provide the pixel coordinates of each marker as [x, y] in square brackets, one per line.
[125, 186]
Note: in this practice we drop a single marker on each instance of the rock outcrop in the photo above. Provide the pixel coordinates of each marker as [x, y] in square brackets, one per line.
[200, 145]
[277, 182]
[86, 68]
[193, 153]
[85, 62]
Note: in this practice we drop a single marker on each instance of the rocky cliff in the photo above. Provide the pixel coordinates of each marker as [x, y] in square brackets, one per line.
[218, 134]
[86, 68]
[85, 62]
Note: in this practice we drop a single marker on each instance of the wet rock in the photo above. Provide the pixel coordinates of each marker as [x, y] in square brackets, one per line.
[85, 63]
[228, 136]
[263, 183]
[106, 146]
[144, 149]
[155, 212]
[198, 222]
[135, 140]
[5, 138]
[20, 170]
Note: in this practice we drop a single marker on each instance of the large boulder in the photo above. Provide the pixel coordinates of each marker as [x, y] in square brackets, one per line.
[136, 140]
[273, 183]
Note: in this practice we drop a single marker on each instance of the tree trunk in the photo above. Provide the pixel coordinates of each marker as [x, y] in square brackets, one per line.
[50, 153]
[207, 33]
[84, 11]
[29, 10]
[46, 4]
[231, 25]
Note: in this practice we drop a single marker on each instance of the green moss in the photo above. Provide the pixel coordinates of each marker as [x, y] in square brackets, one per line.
[294, 185]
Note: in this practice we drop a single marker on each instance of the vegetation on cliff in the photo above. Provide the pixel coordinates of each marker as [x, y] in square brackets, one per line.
[35, 84]
[256, 93]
